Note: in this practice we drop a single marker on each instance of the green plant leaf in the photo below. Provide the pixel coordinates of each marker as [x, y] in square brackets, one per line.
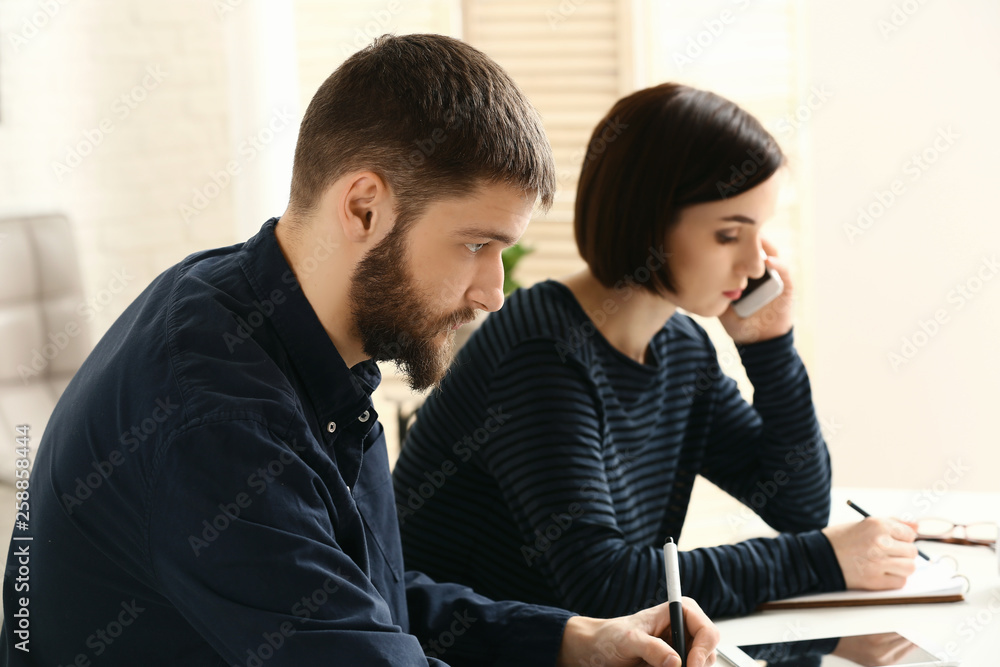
[510, 257]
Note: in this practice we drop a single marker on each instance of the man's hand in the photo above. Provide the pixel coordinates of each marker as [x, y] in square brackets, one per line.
[771, 321]
[637, 639]
[874, 554]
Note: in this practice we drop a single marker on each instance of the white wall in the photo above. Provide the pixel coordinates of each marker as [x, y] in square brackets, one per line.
[113, 112]
[907, 78]
[264, 113]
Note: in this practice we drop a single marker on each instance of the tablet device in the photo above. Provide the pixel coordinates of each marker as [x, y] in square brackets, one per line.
[888, 648]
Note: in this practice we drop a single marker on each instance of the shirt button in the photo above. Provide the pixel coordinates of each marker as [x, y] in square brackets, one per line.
[331, 427]
[364, 417]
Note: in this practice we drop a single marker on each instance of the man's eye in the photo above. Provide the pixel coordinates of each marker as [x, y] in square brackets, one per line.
[475, 247]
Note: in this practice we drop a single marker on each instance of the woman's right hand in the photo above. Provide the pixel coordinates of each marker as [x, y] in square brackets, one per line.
[771, 321]
[874, 554]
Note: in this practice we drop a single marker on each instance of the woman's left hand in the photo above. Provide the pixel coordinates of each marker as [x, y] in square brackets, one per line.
[771, 321]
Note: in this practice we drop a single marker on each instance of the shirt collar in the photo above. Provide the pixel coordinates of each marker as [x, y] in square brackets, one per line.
[339, 395]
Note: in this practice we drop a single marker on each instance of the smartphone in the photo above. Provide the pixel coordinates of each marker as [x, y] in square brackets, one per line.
[758, 293]
[816, 652]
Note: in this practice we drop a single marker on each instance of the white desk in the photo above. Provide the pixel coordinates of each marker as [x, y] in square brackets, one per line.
[967, 631]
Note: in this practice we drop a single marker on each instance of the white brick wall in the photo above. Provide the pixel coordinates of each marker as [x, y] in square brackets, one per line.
[155, 75]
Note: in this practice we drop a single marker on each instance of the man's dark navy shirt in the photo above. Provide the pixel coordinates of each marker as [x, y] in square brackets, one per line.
[213, 488]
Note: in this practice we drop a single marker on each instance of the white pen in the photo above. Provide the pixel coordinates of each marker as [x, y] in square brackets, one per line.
[674, 598]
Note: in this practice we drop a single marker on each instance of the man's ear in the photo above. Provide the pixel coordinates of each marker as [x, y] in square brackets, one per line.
[365, 207]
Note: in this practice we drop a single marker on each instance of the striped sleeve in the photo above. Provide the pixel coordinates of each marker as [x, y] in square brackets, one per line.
[771, 456]
[734, 579]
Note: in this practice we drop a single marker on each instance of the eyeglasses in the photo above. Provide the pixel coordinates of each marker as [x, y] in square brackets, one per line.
[981, 533]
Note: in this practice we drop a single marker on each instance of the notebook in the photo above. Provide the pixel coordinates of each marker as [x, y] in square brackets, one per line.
[936, 581]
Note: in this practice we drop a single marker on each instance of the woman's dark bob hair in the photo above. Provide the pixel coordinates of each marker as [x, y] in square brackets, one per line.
[655, 152]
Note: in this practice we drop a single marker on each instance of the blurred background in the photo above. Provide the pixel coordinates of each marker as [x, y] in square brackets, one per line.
[134, 133]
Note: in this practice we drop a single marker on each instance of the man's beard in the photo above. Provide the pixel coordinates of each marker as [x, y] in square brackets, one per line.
[393, 319]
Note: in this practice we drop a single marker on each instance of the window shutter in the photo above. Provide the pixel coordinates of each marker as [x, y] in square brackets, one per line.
[573, 61]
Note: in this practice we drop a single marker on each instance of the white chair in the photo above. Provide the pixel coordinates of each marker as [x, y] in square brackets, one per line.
[44, 325]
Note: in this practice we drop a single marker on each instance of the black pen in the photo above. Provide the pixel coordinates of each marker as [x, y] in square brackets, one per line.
[866, 515]
[674, 598]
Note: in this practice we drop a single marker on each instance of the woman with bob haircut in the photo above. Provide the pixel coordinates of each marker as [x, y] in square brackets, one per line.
[560, 451]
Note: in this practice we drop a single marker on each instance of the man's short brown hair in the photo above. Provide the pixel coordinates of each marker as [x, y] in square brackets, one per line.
[657, 151]
[432, 116]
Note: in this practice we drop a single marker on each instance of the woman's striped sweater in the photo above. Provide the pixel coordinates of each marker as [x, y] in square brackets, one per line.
[550, 468]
